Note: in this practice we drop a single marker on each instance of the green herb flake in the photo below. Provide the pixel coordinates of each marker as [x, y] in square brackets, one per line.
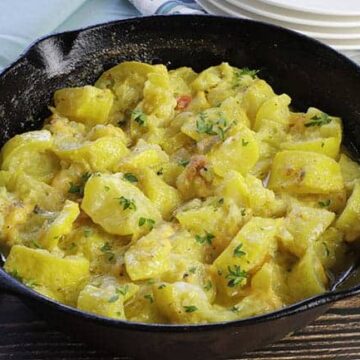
[113, 298]
[192, 270]
[324, 203]
[146, 221]
[139, 117]
[87, 233]
[234, 309]
[160, 172]
[123, 290]
[106, 247]
[110, 256]
[190, 308]
[319, 120]
[161, 286]
[35, 244]
[238, 252]
[235, 276]
[149, 298]
[127, 203]
[74, 189]
[131, 178]
[208, 286]
[218, 127]
[240, 73]
[183, 162]
[243, 212]
[244, 142]
[205, 239]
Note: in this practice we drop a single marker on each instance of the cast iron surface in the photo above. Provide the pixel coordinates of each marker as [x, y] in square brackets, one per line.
[309, 72]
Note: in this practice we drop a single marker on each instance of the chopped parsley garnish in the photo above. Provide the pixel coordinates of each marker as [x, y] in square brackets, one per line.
[113, 298]
[161, 286]
[208, 286]
[190, 308]
[192, 270]
[239, 73]
[205, 126]
[139, 117]
[35, 244]
[119, 291]
[122, 290]
[243, 212]
[106, 247]
[149, 298]
[319, 120]
[234, 309]
[79, 188]
[87, 233]
[183, 163]
[130, 177]
[235, 276]
[146, 221]
[107, 250]
[238, 252]
[324, 203]
[74, 189]
[244, 142]
[205, 239]
[126, 203]
[72, 246]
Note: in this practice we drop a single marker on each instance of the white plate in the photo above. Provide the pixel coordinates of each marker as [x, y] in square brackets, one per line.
[211, 9]
[322, 7]
[214, 7]
[274, 12]
[312, 31]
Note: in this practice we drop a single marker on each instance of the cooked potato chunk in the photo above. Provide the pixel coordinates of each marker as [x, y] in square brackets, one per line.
[60, 226]
[107, 300]
[63, 276]
[115, 204]
[87, 104]
[239, 152]
[245, 254]
[305, 224]
[305, 172]
[348, 221]
[307, 278]
[102, 154]
[149, 256]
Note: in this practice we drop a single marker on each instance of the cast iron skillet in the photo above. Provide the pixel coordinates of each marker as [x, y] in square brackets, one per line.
[310, 72]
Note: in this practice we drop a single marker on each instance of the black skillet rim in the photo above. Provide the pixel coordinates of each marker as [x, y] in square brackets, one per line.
[19, 289]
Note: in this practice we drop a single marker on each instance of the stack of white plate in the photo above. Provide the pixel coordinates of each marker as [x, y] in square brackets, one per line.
[335, 22]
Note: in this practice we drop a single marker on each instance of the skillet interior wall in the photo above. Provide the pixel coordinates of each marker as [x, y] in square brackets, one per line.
[308, 72]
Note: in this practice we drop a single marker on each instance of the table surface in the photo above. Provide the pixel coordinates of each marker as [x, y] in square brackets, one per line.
[334, 336]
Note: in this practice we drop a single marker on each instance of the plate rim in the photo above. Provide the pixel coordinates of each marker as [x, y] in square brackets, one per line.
[321, 36]
[253, 7]
[313, 11]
